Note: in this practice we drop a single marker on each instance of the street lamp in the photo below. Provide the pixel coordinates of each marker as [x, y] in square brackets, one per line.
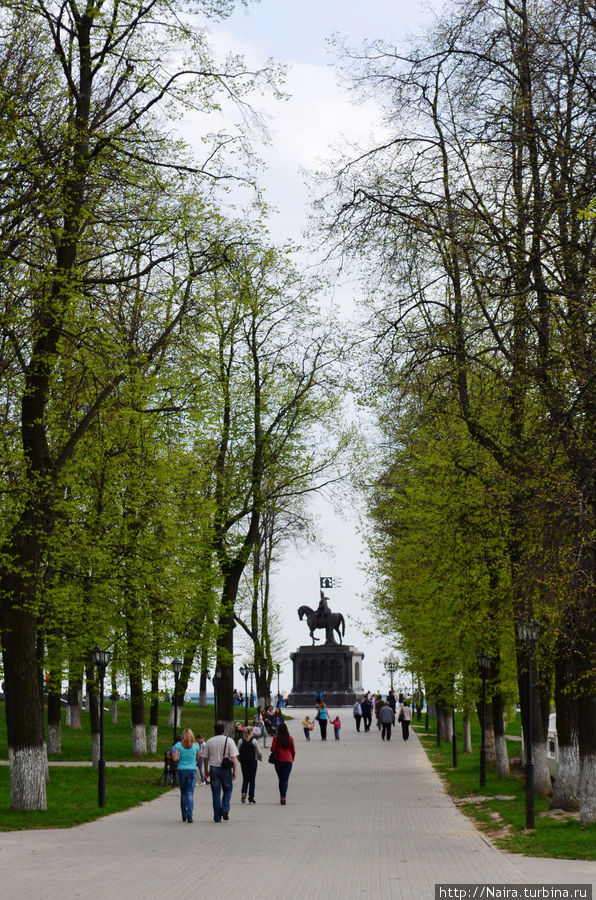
[176, 669]
[528, 633]
[102, 661]
[246, 670]
[391, 664]
[484, 661]
[277, 669]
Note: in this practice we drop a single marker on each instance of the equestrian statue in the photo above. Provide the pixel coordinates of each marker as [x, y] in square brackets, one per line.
[322, 617]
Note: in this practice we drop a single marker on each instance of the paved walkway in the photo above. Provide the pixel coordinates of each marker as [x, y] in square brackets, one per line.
[364, 819]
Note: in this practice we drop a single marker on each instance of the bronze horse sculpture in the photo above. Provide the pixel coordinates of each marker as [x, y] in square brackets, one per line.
[335, 622]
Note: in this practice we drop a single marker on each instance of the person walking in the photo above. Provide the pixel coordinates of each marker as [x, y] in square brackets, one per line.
[186, 755]
[379, 702]
[285, 752]
[201, 743]
[366, 712]
[357, 713]
[220, 754]
[248, 754]
[336, 727]
[322, 720]
[307, 725]
[386, 720]
[405, 717]
[260, 720]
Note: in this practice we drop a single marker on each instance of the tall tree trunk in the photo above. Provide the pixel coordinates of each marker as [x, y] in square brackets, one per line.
[467, 741]
[25, 727]
[93, 709]
[75, 690]
[154, 712]
[565, 788]
[54, 714]
[502, 757]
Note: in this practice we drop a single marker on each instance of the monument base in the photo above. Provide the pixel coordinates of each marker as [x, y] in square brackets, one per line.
[331, 670]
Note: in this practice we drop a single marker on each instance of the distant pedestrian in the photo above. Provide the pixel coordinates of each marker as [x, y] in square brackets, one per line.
[283, 747]
[357, 713]
[262, 724]
[321, 718]
[200, 762]
[366, 713]
[386, 720]
[220, 753]
[307, 725]
[186, 755]
[248, 754]
[278, 718]
[378, 704]
[391, 699]
[336, 727]
[405, 717]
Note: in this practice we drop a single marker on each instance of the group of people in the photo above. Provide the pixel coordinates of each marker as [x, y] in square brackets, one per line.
[216, 761]
[322, 717]
[384, 712]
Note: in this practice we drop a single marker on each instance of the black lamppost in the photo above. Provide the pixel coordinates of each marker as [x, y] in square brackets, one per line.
[277, 669]
[216, 677]
[484, 661]
[176, 669]
[528, 633]
[391, 664]
[102, 661]
[246, 670]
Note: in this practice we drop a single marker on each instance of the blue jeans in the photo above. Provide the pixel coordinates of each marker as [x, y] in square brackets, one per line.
[187, 779]
[221, 790]
[249, 771]
[283, 770]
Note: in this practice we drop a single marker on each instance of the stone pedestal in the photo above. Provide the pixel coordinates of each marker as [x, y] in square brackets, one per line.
[334, 670]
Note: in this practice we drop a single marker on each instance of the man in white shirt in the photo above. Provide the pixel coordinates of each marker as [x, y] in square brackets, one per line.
[219, 755]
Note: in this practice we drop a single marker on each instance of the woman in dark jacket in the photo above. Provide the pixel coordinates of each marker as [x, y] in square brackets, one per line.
[283, 747]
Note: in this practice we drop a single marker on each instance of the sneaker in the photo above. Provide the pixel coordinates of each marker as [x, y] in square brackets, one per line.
[225, 816]
[283, 801]
[243, 798]
[252, 801]
[189, 820]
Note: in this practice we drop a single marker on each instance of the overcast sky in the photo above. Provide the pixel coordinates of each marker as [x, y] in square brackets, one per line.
[317, 116]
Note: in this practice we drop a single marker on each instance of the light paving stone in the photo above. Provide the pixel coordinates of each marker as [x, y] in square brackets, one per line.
[364, 819]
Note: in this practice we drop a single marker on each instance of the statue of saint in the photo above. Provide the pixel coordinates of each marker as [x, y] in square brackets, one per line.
[323, 612]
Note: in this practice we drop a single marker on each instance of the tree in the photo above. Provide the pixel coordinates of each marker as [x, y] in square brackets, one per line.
[93, 158]
[473, 205]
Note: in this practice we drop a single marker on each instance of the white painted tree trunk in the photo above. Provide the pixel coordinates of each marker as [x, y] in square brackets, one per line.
[114, 712]
[54, 738]
[587, 789]
[467, 735]
[565, 789]
[139, 740]
[28, 767]
[95, 750]
[542, 782]
[446, 727]
[502, 757]
[73, 715]
[153, 738]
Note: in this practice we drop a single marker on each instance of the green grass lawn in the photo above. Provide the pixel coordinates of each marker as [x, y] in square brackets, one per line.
[72, 796]
[498, 809]
[76, 743]
[72, 792]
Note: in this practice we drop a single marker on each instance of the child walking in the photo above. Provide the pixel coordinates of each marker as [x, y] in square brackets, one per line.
[336, 727]
[308, 726]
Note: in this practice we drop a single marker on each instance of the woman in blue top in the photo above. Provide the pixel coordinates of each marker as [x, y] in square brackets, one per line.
[186, 754]
[322, 719]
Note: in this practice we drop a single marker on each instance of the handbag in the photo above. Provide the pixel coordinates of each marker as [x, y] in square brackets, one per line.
[226, 762]
[273, 757]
